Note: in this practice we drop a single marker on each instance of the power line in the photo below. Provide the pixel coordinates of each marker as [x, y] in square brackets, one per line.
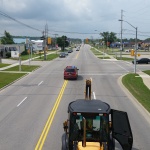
[68, 32]
[7, 16]
[71, 32]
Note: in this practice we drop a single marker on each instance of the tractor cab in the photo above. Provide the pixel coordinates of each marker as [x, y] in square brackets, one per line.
[92, 124]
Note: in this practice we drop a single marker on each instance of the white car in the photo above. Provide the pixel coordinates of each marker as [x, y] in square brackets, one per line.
[127, 50]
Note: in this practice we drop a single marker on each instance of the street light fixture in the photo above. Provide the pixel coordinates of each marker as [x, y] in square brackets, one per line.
[135, 54]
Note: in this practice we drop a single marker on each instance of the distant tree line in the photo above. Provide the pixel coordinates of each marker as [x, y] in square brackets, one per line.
[7, 38]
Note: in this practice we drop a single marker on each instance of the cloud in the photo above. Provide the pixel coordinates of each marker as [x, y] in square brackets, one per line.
[82, 16]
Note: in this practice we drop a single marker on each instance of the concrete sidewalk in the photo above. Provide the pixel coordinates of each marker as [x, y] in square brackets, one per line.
[145, 77]
[15, 63]
[106, 55]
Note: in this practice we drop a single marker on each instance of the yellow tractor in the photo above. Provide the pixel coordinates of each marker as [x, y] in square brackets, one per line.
[93, 125]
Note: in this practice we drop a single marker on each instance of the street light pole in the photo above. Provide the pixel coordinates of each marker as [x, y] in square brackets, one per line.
[135, 54]
[121, 35]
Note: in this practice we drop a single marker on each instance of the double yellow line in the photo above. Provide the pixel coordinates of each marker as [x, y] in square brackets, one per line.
[46, 129]
[77, 55]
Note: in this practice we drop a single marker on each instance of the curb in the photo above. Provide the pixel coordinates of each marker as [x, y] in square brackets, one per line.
[137, 104]
[13, 82]
[26, 73]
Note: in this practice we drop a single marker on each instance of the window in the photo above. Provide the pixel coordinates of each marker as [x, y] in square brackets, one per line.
[70, 70]
[96, 127]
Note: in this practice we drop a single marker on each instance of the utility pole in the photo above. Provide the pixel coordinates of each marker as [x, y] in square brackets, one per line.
[121, 35]
[135, 54]
[45, 39]
[19, 58]
[55, 39]
[55, 42]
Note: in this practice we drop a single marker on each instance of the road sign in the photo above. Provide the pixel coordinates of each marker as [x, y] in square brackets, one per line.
[28, 51]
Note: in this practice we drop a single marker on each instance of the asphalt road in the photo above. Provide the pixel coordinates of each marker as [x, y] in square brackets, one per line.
[33, 109]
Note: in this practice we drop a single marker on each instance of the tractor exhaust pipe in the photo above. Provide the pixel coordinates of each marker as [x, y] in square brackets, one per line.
[84, 133]
[88, 90]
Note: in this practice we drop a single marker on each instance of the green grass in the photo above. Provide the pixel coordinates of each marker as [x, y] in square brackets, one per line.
[147, 72]
[25, 57]
[96, 52]
[26, 68]
[105, 57]
[138, 89]
[48, 57]
[124, 58]
[3, 65]
[7, 78]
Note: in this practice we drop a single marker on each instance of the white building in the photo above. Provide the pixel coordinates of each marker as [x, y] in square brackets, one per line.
[14, 49]
[37, 45]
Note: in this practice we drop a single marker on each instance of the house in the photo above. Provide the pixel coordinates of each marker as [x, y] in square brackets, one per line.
[9, 48]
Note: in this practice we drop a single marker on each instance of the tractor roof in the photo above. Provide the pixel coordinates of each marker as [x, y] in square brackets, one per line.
[89, 106]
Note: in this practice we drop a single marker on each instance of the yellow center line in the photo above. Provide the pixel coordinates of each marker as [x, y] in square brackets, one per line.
[46, 129]
[77, 55]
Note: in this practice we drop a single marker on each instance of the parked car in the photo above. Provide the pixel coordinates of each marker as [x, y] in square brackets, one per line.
[62, 55]
[70, 51]
[71, 72]
[127, 50]
[142, 61]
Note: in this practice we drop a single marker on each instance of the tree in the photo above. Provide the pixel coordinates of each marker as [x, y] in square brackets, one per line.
[7, 38]
[62, 42]
[108, 37]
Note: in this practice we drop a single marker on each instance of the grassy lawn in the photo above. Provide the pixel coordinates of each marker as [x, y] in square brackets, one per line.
[124, 58]
[96, 52]
[26, 68]
[147, 72]
[3, 65]
[138, 89]
[7, 78]
[93, 50]
[105, 57]
[25, 57]
[48, 57]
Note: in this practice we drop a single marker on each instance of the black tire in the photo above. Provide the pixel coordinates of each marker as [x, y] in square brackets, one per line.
[105, 146]
[64, 142]
[112, 143]
[75, 146]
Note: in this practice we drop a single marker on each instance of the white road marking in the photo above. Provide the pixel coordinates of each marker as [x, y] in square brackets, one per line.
[122, 67]
[94, 95]
[40, 83]
[104, 74]
[21, 101]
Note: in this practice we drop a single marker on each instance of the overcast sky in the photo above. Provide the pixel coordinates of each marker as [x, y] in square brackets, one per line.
[75, 18]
